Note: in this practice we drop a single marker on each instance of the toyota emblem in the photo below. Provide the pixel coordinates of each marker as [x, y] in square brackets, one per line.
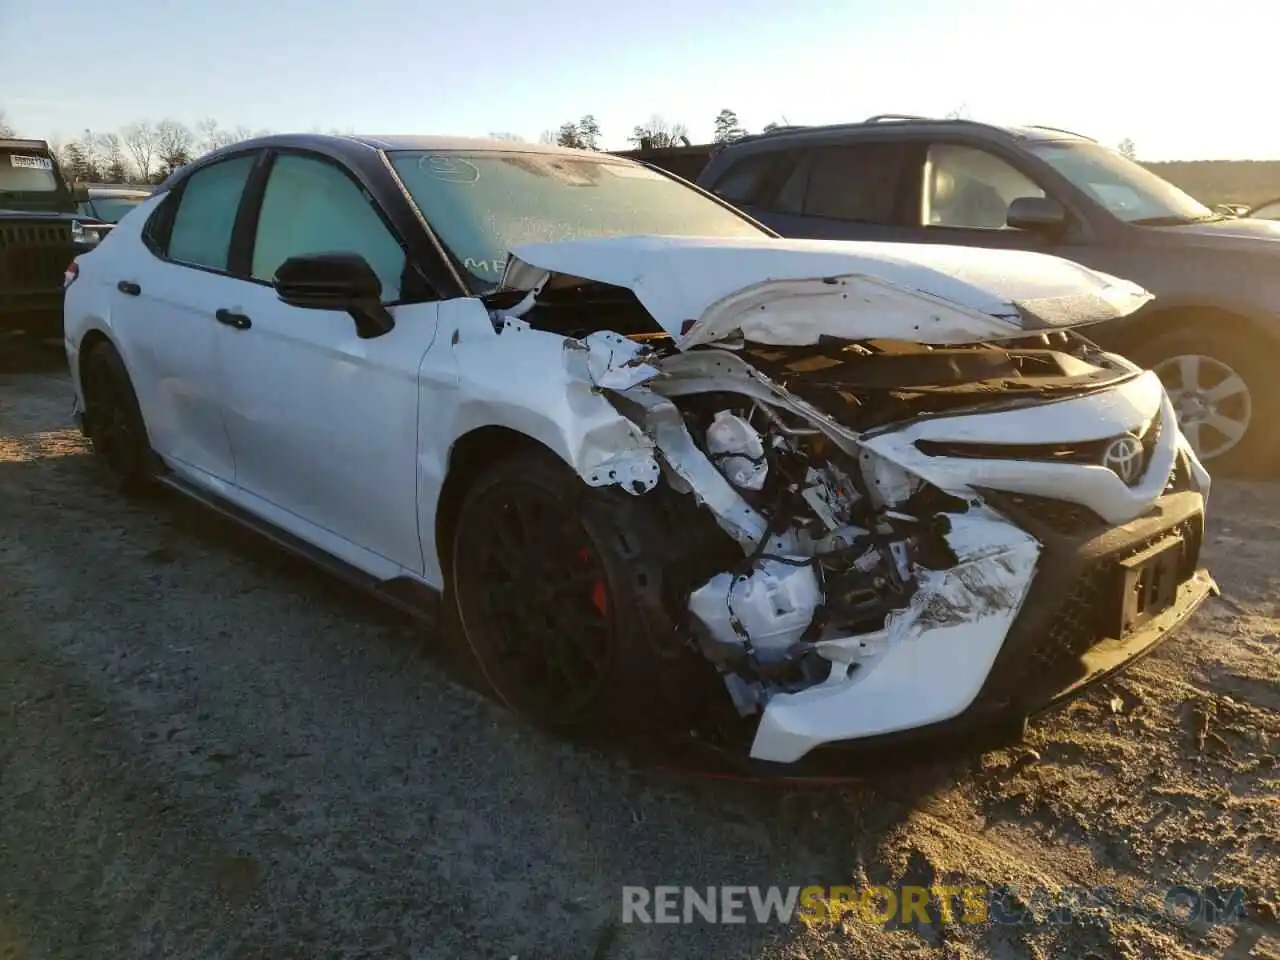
[1123, 457]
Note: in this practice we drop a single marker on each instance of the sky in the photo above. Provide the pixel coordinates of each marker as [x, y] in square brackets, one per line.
[1175, 76]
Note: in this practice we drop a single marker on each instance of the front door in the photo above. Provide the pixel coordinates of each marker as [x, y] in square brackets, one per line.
[324, 424]
[964, 197]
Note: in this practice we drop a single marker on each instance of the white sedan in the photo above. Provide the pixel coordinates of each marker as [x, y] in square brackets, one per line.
[680, 476]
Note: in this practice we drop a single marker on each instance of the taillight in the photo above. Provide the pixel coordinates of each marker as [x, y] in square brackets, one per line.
[72, 271]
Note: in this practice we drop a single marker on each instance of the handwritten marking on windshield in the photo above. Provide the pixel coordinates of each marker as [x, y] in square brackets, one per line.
[448, 169]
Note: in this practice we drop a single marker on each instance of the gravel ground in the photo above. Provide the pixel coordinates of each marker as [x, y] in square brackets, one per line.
[208, 750]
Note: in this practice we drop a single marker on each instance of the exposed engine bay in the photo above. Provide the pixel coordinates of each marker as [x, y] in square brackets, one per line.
[842, 538]
[873, 581]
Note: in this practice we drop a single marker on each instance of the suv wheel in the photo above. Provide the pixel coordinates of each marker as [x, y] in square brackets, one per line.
[1221, 390]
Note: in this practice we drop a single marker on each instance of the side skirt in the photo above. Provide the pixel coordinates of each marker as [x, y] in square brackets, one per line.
[417, 599]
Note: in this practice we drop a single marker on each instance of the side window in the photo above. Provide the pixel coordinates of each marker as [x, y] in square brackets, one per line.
[741, 182]
[856, 182]
[206, 213]
[311, 206]
[968, 187]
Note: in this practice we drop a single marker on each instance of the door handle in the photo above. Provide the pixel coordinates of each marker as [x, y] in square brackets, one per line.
[129, 287]
[233, 319]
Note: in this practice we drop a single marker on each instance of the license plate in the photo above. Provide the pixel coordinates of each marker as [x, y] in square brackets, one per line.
[1148, 583]
[32, 163]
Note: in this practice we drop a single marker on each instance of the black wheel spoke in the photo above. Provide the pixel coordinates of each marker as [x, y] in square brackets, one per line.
[546, 600]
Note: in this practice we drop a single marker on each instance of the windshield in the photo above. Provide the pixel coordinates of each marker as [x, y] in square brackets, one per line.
[26, 173]
[111, 209]
[1127, 189]
[481, 204]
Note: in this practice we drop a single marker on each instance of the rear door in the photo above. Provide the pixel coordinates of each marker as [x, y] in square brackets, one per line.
[164, 307]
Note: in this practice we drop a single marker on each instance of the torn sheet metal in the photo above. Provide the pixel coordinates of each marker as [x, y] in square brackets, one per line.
[662, 422]
[776, 291]
[930, 660]
[613, 361]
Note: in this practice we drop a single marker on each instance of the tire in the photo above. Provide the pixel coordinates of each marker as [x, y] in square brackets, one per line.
[564, 603]
[1234, 388]
[113, 421]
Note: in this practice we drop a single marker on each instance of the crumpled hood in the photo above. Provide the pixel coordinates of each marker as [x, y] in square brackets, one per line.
[792, 292]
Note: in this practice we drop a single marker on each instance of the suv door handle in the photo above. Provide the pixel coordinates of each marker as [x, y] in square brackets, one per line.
[233, 319]
[129, 287]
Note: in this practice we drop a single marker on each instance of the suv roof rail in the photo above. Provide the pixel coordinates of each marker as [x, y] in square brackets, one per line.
[880, 117]
[1041, 126]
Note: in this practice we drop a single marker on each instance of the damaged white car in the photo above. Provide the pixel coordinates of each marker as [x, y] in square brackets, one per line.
[678, 475]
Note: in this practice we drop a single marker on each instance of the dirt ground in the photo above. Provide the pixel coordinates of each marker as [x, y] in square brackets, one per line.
[208, 750]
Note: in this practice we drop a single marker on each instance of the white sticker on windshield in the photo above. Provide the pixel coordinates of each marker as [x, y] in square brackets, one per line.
[449, 169]
[632, 171]
[33, 163]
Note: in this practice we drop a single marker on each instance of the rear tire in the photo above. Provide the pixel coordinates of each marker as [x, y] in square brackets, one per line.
[561, 593]
[113, 421]
[1223, 390]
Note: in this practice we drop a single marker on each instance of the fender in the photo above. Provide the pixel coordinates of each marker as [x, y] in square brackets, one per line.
[533, 383]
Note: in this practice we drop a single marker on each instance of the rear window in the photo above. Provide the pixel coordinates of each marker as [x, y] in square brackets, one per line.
[742, 181]
[857, 182]
[26, 172]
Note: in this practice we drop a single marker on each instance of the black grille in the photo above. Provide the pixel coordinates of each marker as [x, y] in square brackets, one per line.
[1080, 622]
[1057, 515]
[34, 256]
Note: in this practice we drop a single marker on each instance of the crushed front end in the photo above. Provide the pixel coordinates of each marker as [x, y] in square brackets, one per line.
[930, 528]
[920, 551]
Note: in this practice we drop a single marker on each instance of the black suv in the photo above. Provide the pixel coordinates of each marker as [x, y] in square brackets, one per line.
[40, 233]
[1213, 331]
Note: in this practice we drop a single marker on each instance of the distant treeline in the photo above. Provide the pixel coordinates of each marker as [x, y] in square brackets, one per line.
[1223, 181]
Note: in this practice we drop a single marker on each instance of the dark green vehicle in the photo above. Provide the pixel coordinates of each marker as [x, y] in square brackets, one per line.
[40, 234]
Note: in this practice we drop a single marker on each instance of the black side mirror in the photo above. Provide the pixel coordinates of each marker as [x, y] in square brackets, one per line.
[1037, 214]
[336, 281]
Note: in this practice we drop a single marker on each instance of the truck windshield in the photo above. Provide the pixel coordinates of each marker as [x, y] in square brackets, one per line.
[482, 203]
[22, 172]
[1127, 189]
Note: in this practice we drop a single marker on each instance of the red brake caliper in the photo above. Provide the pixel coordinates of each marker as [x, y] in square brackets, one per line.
[599, 591]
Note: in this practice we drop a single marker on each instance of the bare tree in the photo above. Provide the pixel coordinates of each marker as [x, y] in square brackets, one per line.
[6, 129]
[959, 113]
[140, 139]
[547, 136]
[110, 152]
[209, 136]
[174, 142]
[506, 135]
[727, 127]
[658, 133]
[1128, 149]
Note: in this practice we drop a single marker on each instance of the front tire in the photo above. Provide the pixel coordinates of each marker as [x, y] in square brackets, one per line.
[113, 421]
[560, 589]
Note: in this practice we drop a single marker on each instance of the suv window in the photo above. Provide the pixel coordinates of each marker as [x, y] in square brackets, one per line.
[312, 206]
[741, 182]
[968, 187]
[206, 214]
[855, 182]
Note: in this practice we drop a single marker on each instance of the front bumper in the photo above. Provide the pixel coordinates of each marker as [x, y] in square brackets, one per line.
[1056, 646]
